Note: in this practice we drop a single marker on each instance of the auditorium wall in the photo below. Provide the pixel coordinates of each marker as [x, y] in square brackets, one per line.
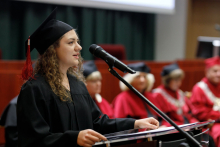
[202, 17]
[135, 31]
[170, 33]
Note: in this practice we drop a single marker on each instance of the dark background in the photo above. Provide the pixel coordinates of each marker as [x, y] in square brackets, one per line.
[135, 31]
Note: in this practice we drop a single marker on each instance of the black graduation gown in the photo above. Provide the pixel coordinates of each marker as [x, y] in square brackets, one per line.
[46, 121]
[9, 121]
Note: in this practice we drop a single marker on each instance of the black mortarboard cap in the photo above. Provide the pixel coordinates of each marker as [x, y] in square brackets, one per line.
[89, 67]
[169, 68]
[141, 66]
[47, 33]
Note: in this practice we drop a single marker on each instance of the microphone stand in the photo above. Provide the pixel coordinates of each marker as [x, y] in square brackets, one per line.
[192, 141]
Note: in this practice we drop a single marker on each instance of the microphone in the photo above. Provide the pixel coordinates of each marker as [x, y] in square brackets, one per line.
[112, 61]
[109, 59]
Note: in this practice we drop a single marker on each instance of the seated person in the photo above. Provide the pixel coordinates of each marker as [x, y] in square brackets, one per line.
[9, 122]
[170, 99]
[93, 83]
[206, 97]
[128, 104]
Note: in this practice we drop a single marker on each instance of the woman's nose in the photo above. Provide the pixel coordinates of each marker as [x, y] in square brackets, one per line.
[142, 79]
[99, 83]
[78, 47]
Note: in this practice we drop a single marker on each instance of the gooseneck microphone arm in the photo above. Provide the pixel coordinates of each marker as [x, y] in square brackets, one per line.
[190, 139]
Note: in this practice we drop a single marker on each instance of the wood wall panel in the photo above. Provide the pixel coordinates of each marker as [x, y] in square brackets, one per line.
[202, 17]
[2, 136]
[10, 82]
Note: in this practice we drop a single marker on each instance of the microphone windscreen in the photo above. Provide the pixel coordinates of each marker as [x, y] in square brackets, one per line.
[92, 48]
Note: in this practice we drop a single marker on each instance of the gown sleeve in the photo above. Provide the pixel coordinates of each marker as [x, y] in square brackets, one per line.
[105, 107]
[166, 108]
[104, 125]
[33, 129]
[201, 108]
[121, 106]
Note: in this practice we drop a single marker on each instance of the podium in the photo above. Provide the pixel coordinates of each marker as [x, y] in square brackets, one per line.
[164, 137]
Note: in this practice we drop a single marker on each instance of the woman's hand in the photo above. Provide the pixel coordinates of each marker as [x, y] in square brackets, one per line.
[89, 137]
[147, 123]
[163, 126]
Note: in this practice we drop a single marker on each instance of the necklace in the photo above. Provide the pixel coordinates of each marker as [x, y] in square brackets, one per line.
[66, 83]
[67, 86]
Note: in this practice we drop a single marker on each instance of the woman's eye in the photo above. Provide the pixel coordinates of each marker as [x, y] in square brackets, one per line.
[70, 42]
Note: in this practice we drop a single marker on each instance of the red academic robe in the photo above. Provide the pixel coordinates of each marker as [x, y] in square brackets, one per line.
[203, 107]
[127, 104]
[104, 106]
[174, 104]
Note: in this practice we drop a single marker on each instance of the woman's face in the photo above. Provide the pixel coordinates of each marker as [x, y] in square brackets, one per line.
[69, 50]
[94, 86]
[140, 82]
[174, 84]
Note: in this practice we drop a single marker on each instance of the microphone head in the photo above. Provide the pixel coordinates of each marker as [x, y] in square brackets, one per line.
[109, 59]
[96, 50]
[92, 48]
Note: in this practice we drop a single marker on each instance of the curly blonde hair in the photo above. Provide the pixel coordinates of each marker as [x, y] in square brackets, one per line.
[47, 65]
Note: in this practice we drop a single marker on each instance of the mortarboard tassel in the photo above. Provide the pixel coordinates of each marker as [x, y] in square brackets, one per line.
[27, 71]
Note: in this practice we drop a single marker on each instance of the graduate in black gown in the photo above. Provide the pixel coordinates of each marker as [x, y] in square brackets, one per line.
[9, 121]
[54, 107]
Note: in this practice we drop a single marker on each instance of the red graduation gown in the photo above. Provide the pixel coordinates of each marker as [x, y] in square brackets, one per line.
[172, 110]
[127, 104]
[202, 107]
[105, 107]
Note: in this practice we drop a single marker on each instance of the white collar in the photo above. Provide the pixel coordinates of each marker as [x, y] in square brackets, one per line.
[98, 98]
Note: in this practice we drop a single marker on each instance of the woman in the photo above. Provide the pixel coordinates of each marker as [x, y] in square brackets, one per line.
[93, 83]
[54, 107]
[129, 105]
[171, 99]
